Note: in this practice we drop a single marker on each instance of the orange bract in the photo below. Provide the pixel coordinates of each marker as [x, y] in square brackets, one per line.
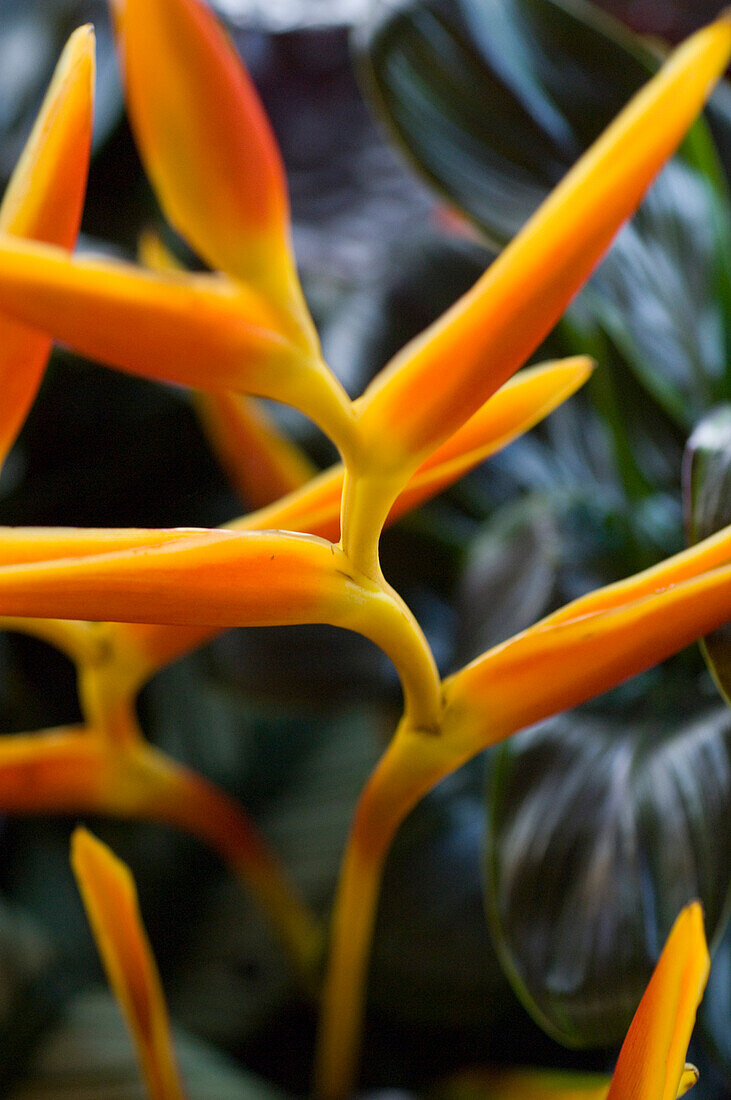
[204, 137]
[651, 1062]
[110, 899]
[43, 201]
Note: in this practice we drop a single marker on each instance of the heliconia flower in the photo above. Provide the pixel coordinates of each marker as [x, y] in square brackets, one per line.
[651, 1064]
[110, 899]
[438, 380]
[43, 202]
[231, 335]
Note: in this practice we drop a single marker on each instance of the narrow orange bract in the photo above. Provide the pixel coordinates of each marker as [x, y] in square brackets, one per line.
[43, 201]
[202, 331]
[651, 1062]
[204, 137]
[556, 665]
[216, 578]
[23, 545]
[110, 899]
[438, 380]
[199, 331]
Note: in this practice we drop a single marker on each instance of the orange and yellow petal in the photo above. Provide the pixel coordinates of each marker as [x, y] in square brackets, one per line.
[43, 201]
[204, 138]
[25, 545]
[110, 899]
[438, 380]
[201, 331]
[214, 578]
[516, 408]
[561, 662]
[651, 1064]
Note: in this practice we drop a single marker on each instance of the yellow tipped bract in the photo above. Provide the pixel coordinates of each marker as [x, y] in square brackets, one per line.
[110, 899]
[43, 201]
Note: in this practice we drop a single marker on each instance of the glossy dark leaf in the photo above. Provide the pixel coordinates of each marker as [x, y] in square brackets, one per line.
[509, 576]
[600, 832]
[495, 99]
[707, 508]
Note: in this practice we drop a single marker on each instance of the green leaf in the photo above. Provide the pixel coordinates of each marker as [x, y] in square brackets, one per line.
[707, 507]
[599, 834]
[495, 99]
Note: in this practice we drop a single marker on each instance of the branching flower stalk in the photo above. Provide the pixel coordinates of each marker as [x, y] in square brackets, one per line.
[431, 414]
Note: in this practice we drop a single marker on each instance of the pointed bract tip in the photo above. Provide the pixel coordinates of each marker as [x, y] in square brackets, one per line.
[82, 41]
[83, 844]
[582, 364]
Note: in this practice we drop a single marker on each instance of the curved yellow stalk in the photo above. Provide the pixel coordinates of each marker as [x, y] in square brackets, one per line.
[110, 899]
[43, 201]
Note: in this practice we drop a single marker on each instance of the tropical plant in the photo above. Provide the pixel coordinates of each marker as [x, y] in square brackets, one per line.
[123, 602]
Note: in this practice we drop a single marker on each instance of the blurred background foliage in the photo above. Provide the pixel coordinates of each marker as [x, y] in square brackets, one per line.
[597, 826]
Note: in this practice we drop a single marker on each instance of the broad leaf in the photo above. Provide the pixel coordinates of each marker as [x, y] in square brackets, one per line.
[600, 832]
[495, 100]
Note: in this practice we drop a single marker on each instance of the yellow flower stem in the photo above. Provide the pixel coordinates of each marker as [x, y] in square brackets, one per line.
[412, 764]
[107, 704]
[317, 393]
[366, 501]
[388, 622]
